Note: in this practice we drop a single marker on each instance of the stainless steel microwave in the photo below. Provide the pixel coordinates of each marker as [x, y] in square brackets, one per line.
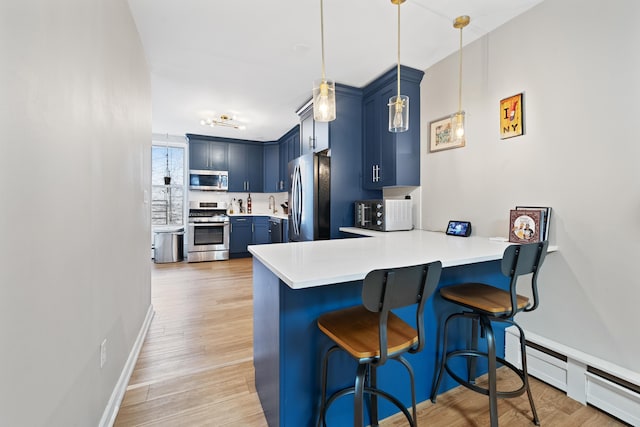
[208, 180]
[384, 214]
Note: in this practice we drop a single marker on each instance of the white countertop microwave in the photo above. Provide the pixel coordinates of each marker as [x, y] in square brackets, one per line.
[384, 214]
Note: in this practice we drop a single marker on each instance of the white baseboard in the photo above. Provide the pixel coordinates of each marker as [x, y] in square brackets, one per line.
[113, 406]
[583, 377]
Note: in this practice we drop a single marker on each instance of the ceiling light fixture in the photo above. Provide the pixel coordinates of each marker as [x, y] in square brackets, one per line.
[457, 119]
[399, 104]
[324, 91]
[224, 121]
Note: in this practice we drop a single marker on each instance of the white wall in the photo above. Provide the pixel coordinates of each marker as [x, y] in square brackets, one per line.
[75, 126]
[578, 65]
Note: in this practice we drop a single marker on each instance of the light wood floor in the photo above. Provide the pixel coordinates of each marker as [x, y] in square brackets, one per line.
[195, 368]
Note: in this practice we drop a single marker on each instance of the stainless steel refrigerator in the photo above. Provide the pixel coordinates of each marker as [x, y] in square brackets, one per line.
[309, 197]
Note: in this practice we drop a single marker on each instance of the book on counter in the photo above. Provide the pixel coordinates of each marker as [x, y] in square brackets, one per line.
[529, 224]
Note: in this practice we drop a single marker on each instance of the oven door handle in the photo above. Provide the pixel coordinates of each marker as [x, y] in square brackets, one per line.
[208, 224]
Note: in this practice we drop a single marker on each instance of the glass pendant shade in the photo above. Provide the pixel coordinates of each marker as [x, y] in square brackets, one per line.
[457, 127]
[324, 100]
[398, 113]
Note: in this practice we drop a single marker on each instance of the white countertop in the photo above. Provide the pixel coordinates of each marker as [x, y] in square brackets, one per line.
[322, 262]
[278, 214]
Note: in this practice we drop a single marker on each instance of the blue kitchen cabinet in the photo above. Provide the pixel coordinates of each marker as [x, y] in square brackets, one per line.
[345, 135]
[314, 136]
[272, 168]
[207, 154]
[245, 231]
[391, 159]
[285, 231]
[245, 167]
[261, 230]
[241, 236]
[289, 150]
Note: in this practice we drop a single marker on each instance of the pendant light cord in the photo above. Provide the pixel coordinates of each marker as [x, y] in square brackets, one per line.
[460, 76]
[322, 37]
[399, 51]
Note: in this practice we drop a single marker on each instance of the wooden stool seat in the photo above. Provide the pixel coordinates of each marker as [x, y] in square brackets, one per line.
[483, 297]
[356, 330]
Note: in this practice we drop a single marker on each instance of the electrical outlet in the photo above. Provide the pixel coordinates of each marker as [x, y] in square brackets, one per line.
[103, 353]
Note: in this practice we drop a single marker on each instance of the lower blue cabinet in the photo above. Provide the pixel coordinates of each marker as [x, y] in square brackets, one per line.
[241, 236]
[285, 231]
[245, 231]
[261, 230]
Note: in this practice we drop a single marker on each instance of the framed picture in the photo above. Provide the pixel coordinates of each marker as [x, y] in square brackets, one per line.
[545, 218]
[524, 226]
[440, 135]
[511, 118]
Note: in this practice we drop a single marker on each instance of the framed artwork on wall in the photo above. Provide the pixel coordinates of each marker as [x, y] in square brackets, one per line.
[441, 135]
[511, 117]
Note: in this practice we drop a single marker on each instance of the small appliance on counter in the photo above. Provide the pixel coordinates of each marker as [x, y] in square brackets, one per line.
[384, 214]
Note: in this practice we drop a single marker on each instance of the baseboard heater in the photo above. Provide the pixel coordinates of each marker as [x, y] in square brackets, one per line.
[584, 378]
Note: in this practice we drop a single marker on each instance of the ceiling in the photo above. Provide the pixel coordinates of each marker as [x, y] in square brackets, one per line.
[256, 60]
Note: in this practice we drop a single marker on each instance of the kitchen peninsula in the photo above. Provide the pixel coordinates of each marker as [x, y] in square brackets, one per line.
[296, 282]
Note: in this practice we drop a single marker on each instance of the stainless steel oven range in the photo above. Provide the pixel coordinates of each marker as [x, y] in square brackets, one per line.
[208, 234]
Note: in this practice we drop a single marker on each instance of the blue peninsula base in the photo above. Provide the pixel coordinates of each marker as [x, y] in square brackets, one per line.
[288, 346]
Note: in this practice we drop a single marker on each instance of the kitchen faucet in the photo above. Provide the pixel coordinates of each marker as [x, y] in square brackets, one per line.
[272, 204]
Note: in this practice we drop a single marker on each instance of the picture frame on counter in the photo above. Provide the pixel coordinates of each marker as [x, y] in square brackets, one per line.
[524, 226]
[545, 219]
[440, 135]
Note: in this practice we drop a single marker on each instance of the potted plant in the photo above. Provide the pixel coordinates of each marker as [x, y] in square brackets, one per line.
[167, 172]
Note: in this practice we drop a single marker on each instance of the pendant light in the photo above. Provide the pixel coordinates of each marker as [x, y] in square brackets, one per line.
[457, 119]
[399, 104]
[324, 91]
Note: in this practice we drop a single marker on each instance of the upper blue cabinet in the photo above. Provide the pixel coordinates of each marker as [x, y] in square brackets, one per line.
[391, 159]
[207, 154]
[271, 167]
[246, 167]
[289, 150]
[314, 136]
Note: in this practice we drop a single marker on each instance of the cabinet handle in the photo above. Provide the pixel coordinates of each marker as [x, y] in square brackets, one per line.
[311, 142]
[375, 173]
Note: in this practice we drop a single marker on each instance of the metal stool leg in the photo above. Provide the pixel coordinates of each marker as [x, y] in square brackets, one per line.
[323, 397]
[472, 361]
[407, 365]
[443, 357]
[358, 398]
[491, 355]
[525, 374]
[373, 398]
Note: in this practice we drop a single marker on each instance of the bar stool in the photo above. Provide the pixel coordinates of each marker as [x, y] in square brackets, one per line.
[372, 334]
[485, 304]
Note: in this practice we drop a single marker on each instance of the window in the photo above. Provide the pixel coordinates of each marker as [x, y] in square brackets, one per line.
[167, 185]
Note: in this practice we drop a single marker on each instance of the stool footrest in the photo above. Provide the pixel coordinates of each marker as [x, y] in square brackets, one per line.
[472, 386]
[368, 390]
